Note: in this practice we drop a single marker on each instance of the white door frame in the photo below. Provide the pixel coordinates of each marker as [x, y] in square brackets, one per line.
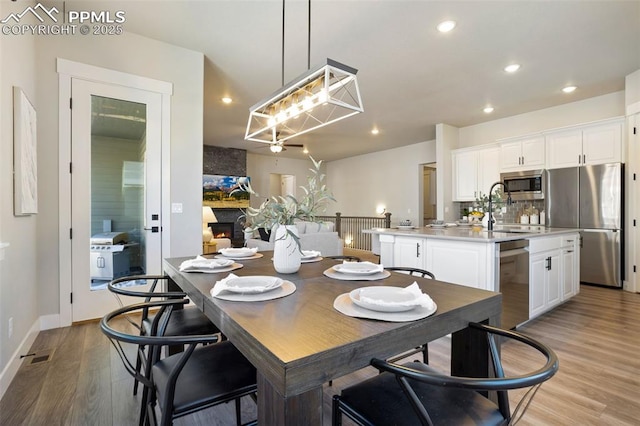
[66, 71]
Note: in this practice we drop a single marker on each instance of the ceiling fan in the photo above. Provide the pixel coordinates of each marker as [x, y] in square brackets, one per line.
[279, 146]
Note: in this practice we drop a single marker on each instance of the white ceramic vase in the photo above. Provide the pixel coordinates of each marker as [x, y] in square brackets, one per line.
[286, 254]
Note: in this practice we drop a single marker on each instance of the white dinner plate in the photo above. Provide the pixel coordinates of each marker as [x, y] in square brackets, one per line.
[357, 268]
[383, 298]
[237, 252]
[253, 284]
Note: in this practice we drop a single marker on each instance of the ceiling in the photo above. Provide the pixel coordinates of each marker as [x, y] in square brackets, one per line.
[411, 76]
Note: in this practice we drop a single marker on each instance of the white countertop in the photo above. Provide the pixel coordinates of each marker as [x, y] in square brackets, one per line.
[475, 233]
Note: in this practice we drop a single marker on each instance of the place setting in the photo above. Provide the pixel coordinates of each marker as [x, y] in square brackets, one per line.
[386, 303]
[209, 266]
[239, 253]
[357, 271]
[310, 256]
[253, 288]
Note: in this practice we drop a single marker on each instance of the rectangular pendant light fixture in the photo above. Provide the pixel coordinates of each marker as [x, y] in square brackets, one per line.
[318, 97]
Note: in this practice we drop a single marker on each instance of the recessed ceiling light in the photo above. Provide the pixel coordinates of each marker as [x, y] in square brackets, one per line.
[305, 150]
[446, 26]
[227, 100]
[512, 68]
[375, 131]
[488, 110]
[569, 89]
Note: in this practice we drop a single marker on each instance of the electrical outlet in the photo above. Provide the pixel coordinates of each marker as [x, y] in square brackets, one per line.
[176, 207]
[10, 327]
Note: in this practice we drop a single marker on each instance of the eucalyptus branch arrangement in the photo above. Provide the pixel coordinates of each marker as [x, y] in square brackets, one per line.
[482, 200]
[284, 210]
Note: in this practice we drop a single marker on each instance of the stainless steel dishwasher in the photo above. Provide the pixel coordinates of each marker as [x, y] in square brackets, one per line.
[514, 282]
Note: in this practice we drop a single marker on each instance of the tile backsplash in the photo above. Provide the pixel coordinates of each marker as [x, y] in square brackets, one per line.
[514, 211]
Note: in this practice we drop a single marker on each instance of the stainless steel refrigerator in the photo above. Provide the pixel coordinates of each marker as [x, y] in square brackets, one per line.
[591, 198]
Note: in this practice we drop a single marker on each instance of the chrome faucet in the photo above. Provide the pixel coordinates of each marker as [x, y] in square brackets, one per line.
[490, 224]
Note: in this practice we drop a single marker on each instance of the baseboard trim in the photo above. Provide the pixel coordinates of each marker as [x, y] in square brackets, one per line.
[11, 369]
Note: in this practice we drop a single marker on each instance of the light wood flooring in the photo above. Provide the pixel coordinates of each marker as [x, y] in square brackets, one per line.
[595, 335]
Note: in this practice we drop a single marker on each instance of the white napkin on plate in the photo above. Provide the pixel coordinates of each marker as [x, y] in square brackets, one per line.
[310, 254]
[223, 284]
[239, 251]
[200, 263]
[421, 299]
[357, 266]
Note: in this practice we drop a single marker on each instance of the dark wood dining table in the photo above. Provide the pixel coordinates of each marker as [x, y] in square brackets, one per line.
[299, 342]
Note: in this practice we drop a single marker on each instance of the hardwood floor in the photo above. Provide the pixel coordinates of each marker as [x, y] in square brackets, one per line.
[595, 335]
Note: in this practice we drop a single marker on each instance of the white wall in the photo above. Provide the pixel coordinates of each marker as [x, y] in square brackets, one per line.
[632, 92]
[184, 69]
[18, 278]
[391, 178]
[260, 168]
[592, 109]
[28, 293]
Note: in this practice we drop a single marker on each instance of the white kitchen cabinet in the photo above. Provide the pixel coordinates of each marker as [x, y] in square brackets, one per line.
[585, 145]
[570, 267]
[554, 272]
[544, 287]
[409, 252]
[473, 171]
[457, 262]
[522, 154]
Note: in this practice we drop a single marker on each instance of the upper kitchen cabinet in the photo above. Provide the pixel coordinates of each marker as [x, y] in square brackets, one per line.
[590, 144]
[522, 154]
[474, 170]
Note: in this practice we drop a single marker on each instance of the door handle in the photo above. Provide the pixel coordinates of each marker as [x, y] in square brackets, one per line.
[153, 229]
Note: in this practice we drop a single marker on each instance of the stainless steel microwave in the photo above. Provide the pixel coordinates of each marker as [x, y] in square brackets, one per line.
[525, 185]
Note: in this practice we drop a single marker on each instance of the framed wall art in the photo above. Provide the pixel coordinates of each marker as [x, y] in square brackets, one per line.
[25, 167]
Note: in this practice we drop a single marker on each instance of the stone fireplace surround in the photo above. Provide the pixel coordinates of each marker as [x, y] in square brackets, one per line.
[228, 162]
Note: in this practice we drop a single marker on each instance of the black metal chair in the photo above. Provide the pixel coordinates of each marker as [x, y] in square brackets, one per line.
[415, 393]
[189, 381]
[188, 320]
[423, 348]
[344, 257]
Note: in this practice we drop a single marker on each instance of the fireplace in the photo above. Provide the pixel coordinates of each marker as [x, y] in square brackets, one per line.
[222, 229]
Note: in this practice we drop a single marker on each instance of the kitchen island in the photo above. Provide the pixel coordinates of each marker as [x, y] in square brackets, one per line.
[470, 255]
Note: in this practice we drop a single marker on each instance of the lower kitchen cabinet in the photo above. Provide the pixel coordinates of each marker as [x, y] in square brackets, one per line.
[409, 252]
[553, 272]
[469, 264]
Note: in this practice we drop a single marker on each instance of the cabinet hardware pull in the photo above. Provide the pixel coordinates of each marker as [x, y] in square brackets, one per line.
[584, 159]
[417, 249]
[548, 266]
[579, 159]
[569, 251]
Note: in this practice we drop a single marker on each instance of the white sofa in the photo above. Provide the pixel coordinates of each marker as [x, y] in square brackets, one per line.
[313, 236]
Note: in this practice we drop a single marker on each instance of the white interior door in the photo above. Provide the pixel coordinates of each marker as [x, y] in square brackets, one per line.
[116, 188]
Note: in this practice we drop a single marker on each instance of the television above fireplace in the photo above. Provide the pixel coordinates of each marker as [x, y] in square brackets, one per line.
[216, 192]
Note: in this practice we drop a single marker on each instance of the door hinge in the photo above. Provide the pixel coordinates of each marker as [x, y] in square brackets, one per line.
[70, 103]
[634, 176]
[70, 167]
[71, 298]
[634, 130]
[71, 233]
[634, 222]
[634, 268]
